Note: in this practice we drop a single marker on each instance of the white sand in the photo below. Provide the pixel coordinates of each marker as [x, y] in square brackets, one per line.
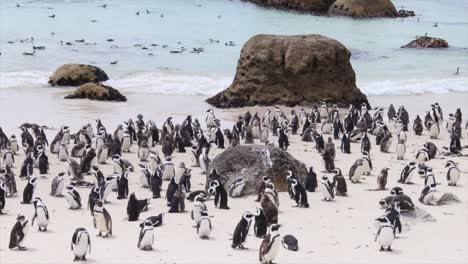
[340, 231]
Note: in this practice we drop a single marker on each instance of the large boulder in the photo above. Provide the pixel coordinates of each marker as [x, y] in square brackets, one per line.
[427, 42]
[363, 8]
[95, 91]
[291, 70]
[77, 74]
[252, 162]
[311, 6]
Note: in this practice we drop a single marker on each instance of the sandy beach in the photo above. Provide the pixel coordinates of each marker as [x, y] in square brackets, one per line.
[341, 231]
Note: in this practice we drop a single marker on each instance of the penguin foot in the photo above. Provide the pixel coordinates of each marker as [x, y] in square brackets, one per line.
[381, 249]
[389, 249]
[22, 248]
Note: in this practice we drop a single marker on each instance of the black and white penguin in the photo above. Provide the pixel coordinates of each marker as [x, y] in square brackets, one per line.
[8, 158]
[311, 180]
[366, 144]
[236, 188]
[386, 142]
[198, 207]
[367, 162]
[356, 171]
[102, 220]
[122, 186]
[74, 170]
[269, 205]
[13, 144]
[98, 176]
[429, 177]
[204, 226]
[80, 244]
[434, 130]
[204, 161]
[157, 220]
[221, 197]
[290, 243]
[422, 156]
[27, 167]
[62, 154]
[242, 230]
[345, 145]
[155, 182]
[393, 214]
[93, 197]
[133, 210]
[87, 160]
[327, 188]
[170, 191]
[58, 185]
[270, 245]
[146, 237]
[382, 179]
[41, 214]
[453, 173]
[178, 201]
[408, 172]
[126, 142]
[283, 141]
[18, 233]
[29, 189]
[429, 195]
[418, 126]
[3, 193]
[260, 226]
[300, 194]
[73, 197]
[143, 151]
[261, 187]
[339, 182]
[107, 186]
[385, 234]
[169, 170]
[9, 181]
[219, 140]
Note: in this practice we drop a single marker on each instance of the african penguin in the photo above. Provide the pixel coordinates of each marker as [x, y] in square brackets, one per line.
[41, 214]
[102, 220]
[80, 244]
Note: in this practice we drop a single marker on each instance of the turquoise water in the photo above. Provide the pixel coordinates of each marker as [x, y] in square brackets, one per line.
[381, 66]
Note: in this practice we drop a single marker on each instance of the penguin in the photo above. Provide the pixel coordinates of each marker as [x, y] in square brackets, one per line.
[167, 146]
[156, 220]
[453, 173]
[236, 188]
[261, 187]
[156, 183]
[339, 182]
[386, 142]
[328, 160]
[126, 142]
[29, 189]
[58, 184]
[327, 189]
[98, 176]
[385, 234]
[242, 230]
[345, 145]
[122, 186]
[393, 215]
[13, 144]
[264, 135]
[204, 161]
[87, 160]
[133, 211]
[397, 195]
[93, 197]
[283, 140]
[170, 191]
[204, 226]
[311, 180]
[107, 185]
[3, 193]
[8, 158]
[290, 243]
[221, 197]
[269, 206]
[27, 167]
[408, 172]
[143, 151]
[356, 171]
[260, 226]
[429, 177]
[198, 207]
[73, 197]
[429, 195]
[300, 194]
[169, 171]
[80, 244]
[146, 237]
[41, 214]
[18, 233]
[367, 162]
[400, 150]
[270, 245]
[102, 220]
[102, 154]
[9, 181]
[74, 170]
[365, 144]
[418, 126]
[422, 156]
[178, 201]
[382, 179]
[62, 154]
[434, 130]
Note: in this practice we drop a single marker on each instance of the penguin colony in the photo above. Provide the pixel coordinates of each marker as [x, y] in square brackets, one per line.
[94, 147]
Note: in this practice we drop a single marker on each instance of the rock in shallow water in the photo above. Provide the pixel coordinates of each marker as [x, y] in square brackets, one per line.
[252, 162]
[76, 75]
[363, 8]
[96, 91]
[427, 42]
[292, 70]
[313, 6]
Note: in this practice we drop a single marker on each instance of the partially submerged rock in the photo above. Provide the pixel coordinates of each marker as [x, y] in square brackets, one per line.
[427, 42]
[292, 70]
[310, 6]
[252, 162]
[76, 75]
[96, 91]
[363, 8]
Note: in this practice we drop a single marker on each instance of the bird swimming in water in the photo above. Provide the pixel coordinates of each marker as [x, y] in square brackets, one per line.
[52, 16]
[458, 71]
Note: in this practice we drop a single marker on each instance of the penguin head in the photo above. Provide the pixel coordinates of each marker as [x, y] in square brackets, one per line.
[449, 163]
[429, 170]
[383, 220]
[140, 116]
[412, 163]
[204, 213]
[274, 228]
[33, 180]
[432, 187]
[290, 174]
[20, 217]
[383, 203]
[61, 174]
[337, 171]
[70, 188]
[396, 191]
[248, 216]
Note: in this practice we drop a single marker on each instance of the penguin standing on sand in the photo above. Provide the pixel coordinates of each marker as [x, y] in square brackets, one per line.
[300, 194]
[219, 139]
[80, 244]
[102, 220]
[260, 226]
[270, 245]
[126, 142]
[236, 188]
[269, 205]
[29, 189]
[105, 188]
[198, 207]
[418, 126]
[93, 197]
[13, 144]
[18, 233]
[27, 167]
[422, 156]
[204, 226]
[242, 230]
[58, 185]
[382, 179]
[156, 183]
[385, 235]
[41, 214]
[122, 186]
[143, 151]
[133, 211]
[345, 145]
[74, 170]
[73, 197]
[87, 160]
[366, 144]
[429, 195]
[178, 201]
[283, 141]
[204, 161]
[3, 193]
[8, 158]
[393, 214]
[429, 177]
[339, 182]
[366, 160]
[401, 149]
[146, 237]
[408, 172]
[434, 130]
[453, 173]
[169, 170]
[221, 197]
[327, 188]
[311, 180]
[62, 154]
[356, 171]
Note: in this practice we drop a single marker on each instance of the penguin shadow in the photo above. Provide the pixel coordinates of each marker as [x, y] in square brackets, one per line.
[394, 252]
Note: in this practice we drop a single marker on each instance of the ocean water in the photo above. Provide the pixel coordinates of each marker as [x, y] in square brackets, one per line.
[381, 66]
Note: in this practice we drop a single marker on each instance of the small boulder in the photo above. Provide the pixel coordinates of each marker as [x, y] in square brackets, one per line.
[310, 6]
[252, 162]
[406, 13]
[363, 8]
[76, 75]
[427, 42]
[95, 91]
